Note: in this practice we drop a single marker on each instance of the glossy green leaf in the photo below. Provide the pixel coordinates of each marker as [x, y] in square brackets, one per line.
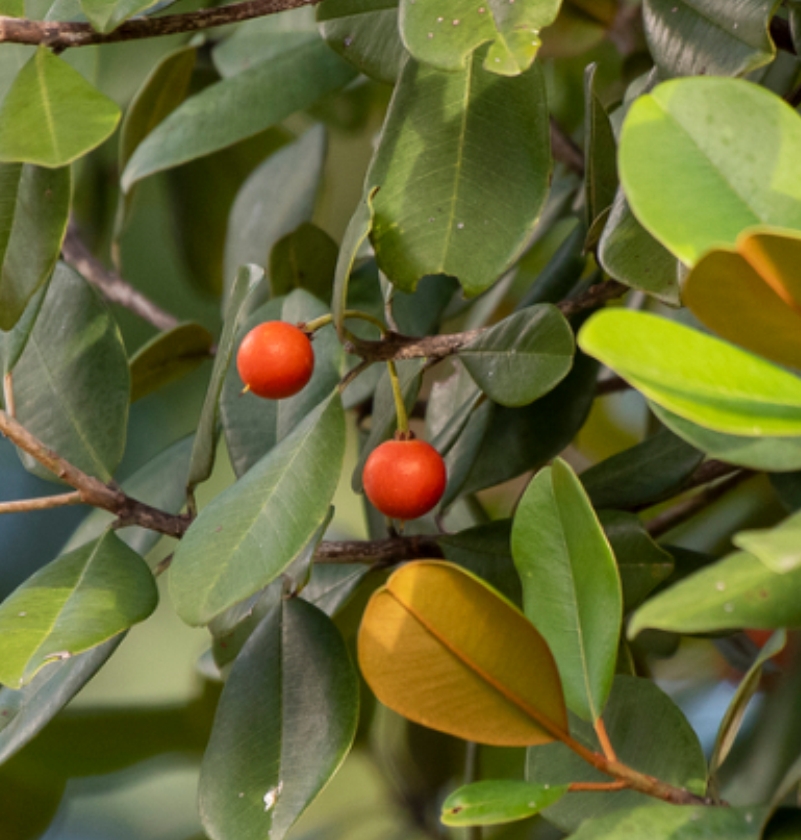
[239, 107]
[711, 37]
[738, 591]
[332, 585]
[304, 259]
[643, 474]
[424, 639]
[778, 548]
[51, 115]
[446, 32]
[450, 406]
[571, 588]
[701, 159]
[160, 94]
[735, 713]
[731, 391]
[79, 600]
[107, 15]
[25, 711]
[169, 356]
[465, 452]
[161, 482]
[253, 425]
[251, 532]
[284, 724]
[435, 212]
[661, 821]
[600, 151]
[775, 454]
[277, 197]
[365, 32]
[34, 206]
[523, 357]
[495, 803]
[12, 343]
[205, 444]
[631, 255]
[642, 564]
[649, 733]
[71, 383]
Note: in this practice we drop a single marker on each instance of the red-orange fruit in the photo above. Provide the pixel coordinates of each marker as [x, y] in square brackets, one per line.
[275, 360]
[404, 479]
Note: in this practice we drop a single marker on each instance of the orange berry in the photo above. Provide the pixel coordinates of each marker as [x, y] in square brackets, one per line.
[275, 360]
[404, 479]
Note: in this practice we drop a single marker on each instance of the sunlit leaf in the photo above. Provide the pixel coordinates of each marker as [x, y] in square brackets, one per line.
[435, 632]
[494, 803]
[79, 600]
[778, 548]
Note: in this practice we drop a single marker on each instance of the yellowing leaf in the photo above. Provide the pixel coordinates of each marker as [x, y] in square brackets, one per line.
[440, 647]
[751, 295]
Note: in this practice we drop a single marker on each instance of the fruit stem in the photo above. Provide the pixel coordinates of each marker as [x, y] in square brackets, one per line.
[400, 406]
[324, 320]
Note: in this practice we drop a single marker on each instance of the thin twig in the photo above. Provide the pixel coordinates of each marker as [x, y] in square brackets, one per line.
[110, 284]
[43, 503]
[596, 787]
[603, 740]
[611, 385]
[8, 394]
[61, 35]
[565, 150]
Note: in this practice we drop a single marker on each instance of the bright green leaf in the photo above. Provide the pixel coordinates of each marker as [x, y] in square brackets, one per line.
[523, 357]
[571, 588]
[284, 724]
[79, 600]
[51, 115]
[251, 532]
[462, 169]
[495, 803]
[695, 375]
[34, 206]
[778, 548]
[702, 159]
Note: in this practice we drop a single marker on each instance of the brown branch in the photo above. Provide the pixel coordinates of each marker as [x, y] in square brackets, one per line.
[565, 150]
[110, 284]
[43, 503]
[379, 553]
[61, 35]
[397, 346]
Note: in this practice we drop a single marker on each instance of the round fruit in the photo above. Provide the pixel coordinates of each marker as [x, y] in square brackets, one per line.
[275, 360]
[404, 478]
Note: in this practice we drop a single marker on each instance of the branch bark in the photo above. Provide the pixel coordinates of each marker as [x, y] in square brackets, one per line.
[62, 35]
[42, 503]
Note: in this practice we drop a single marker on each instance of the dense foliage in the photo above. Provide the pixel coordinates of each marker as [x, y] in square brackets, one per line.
[569, 259]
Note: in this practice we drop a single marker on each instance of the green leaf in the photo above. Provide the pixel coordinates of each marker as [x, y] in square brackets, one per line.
[34, 207]
[167, 357]
[13, 8]
[239, 107]
[71, 383]
[277, 197]
[600, 151]
[523, 357]
[107, 15]
[251, 532]
[711, 37]
[365, 32]
[445, 33]
[284, 724]
[331, 585]
[160, 94]
[642, 475]
[778, 548]
[24, 712]
[649, 733]
[701, 159]
[495, 803]
[205, 444]
[632, 256]
[642, 564]
[731, 391]
[450, 407]
[733, 718]
[252, 425]
[463, 168]
[738, 591]
[79, 600]
[571, 588]
[304, 259]
[775, 454]
[12, 343]
[675, 822]
[51, 115]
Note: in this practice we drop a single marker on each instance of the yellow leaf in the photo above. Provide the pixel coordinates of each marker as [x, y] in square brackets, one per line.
[442, 648]
[752, 295]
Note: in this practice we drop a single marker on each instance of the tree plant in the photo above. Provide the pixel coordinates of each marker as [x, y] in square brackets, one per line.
[546, 252]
